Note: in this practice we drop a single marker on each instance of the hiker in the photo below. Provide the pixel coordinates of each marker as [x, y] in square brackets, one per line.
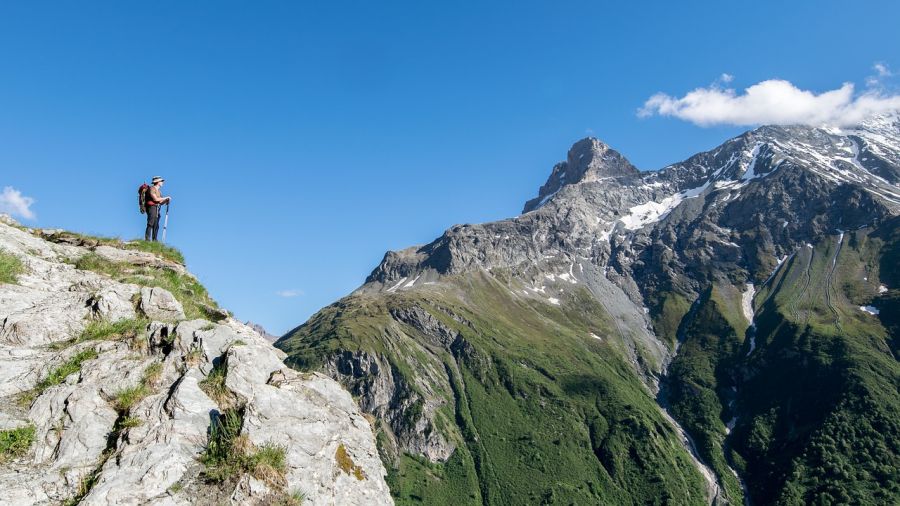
[154, 200]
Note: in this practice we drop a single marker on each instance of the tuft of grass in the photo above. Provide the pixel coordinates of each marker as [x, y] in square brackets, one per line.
[58, 375]
[193, 356]
[15, 442]
[229, 454]
[128, 422]
[214, 385]
[153, 373]
[96, 263]
[297, 497]
[268, 463]
[88, 482]
[345, 462]
[294, 498]
[104, 330]
[10, 268]
[157, 248]
[126, 398]
[220, 459]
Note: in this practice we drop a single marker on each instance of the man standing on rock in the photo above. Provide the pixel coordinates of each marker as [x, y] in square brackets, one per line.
[154, 200]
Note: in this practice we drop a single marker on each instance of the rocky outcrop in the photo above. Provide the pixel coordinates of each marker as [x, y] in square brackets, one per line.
[122, 396]
[158, 304]
[385, 393]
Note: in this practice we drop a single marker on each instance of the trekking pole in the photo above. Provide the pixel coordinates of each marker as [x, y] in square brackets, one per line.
[166, 222]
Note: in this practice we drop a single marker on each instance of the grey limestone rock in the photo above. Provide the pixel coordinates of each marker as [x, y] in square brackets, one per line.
[128, 423]
[158, 304]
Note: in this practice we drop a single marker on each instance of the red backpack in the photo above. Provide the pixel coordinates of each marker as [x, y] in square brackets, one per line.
[142, 197]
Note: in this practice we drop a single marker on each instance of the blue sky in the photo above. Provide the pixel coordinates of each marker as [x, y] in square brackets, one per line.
[302, 141]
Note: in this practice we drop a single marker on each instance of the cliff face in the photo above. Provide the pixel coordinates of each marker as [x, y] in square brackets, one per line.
[122, 383]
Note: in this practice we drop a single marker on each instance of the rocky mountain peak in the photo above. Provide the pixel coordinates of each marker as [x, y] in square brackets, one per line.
[589, 159]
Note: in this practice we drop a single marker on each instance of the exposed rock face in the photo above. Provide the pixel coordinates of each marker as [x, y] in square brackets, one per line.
[383, 393]
[159, 304]
[124, 419]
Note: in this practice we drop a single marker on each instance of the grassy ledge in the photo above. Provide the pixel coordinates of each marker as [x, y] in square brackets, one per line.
[157, 248]
[185, 288]
[91, 241]
[103, 330]
[58, 375]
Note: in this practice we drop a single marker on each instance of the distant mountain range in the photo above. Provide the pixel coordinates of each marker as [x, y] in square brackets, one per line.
[261, 331]
[722, 330]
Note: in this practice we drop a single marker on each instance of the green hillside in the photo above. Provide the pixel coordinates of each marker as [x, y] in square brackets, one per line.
[541, 411]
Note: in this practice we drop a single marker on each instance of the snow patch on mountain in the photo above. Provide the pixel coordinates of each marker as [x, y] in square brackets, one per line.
[652, 212]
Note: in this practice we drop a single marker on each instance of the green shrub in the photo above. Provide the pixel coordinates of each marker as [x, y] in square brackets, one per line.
[10, 268]
[15, 442]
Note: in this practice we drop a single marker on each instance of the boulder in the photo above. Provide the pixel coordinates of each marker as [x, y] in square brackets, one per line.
[159, 304]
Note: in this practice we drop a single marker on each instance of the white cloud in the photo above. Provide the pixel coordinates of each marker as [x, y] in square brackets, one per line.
[13, 203]
[774, 101]
[289, 293]
[882, 70]
[726, 78]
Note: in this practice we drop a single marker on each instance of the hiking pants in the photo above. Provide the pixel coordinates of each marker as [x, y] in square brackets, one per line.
[152, 223]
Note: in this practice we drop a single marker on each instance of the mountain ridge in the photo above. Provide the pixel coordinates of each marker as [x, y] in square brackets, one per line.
[661, 276]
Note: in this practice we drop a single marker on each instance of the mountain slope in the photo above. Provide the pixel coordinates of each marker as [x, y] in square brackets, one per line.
[556, 337]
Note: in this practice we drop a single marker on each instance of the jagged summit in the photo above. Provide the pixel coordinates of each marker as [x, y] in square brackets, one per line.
[588, 160]
[797, 182]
